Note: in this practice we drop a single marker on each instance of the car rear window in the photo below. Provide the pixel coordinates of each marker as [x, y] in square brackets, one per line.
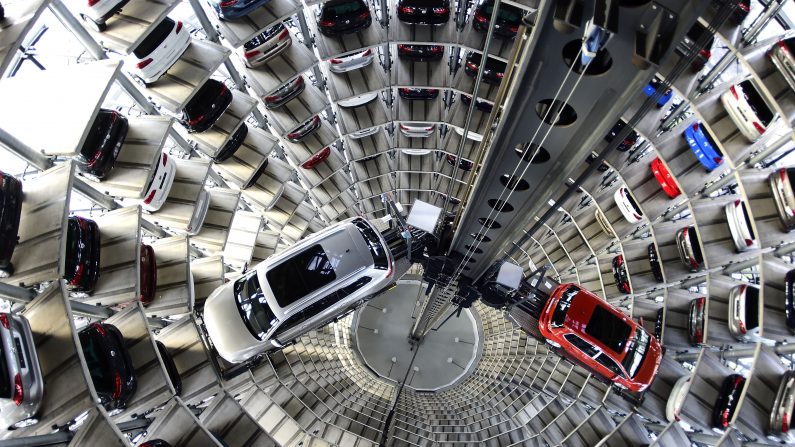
[96, 134]
[301, 275]
[747, 221]
[261, 38]
[5, 384]
[606, 327]
[154, 39]
[96, 361]
[380, 258]
[507, 13]
[72, 245]
[757, 102]
[751, 307]
[634, 204]
[342, 9]
[205, 96]
[425, 3]
[693, 236]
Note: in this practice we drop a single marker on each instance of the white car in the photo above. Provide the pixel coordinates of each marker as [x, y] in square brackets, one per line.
[604, 224]
[158, 51]
[470, 135]
[351, 62]
[97, 12]
[357, 101]
[199, 213]
[744, 314]
[302, 288]
[677, 398]
[365, 133]
[417, 131]
[740, 226]
[265, 46]
[416, 151]
[160, 185]
[748, 110]
[627, 205]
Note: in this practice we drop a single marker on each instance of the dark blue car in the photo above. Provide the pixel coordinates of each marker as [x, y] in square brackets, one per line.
[652, 87]
[234, 9]
[702, 145]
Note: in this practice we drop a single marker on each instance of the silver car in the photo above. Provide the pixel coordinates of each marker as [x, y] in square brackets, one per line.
[689, 248]
[781, 56]
[302, 288]
[740, 226]
[199, 213]
[781, 182]
[783, 406]
[23, 387]
[417, 130]
[265, 46]
[744, 313]
[351, 62]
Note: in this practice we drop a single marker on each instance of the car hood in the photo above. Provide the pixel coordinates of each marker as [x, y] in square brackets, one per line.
[226, 329]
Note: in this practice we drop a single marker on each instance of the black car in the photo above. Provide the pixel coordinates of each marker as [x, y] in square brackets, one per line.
[688, 44]
[171, 367]
[789, 299]
[727, 400]
[285, 93]
[629, 141]
[696, 320]
[109, 365]
[10, 212]
[418, 93]
[621, 275]
[102, 145]
[305, 129]
[493, 72]
[232, 145]
[421, 53]
[483, 106]
[654, 262]
[82, 254]
[339, 17]
[155, 443]
[424, 12]
[464, 165]
[206, 106]
[508, 19]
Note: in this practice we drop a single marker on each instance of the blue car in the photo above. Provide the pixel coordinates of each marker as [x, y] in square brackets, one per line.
[234, 9]
[595, 39]
[652, 87]
[702, 145]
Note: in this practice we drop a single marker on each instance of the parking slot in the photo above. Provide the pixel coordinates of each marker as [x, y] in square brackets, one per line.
[174, 294]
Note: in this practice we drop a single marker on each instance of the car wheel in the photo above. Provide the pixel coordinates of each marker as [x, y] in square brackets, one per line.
[78, 295]
[24, 423]
[6, 270]
[90, 177]
[94, 25]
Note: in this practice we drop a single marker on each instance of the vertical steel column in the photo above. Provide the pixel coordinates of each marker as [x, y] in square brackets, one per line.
[771, 9]
[36, 159]
[678, 110]
[716, 71]
[385, 14]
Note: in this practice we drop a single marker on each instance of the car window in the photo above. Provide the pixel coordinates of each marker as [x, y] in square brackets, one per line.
[608, 363]
[634, 204]
[587, 348]
[204, 97]
[747, 221]
[252, 305]
[751, 308]
[341, 9]
[608, 328]
[95, 361]
[637, 352]
[559, 315]
[5, 385]
[301, 275]
[693, 236]
[757, 102]
[380, 258]
[291, 322]
[154, 39]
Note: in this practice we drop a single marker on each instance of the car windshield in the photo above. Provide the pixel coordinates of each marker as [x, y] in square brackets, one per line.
[637, 352]
[608, 328]
[509, 14]
[5, 385]
[96, 135]
[559, 315]
[633, 203]
[301, 275]
[154, 39]
[380, 259]
[342, 9]
[253, 307]
[691, 234]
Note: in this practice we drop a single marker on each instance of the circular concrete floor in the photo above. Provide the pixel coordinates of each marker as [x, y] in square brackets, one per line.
[443, 358]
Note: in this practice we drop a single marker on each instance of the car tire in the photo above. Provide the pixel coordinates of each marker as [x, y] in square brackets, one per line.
[90, 177]
[94, 25]
[23, 423]
[6, 270]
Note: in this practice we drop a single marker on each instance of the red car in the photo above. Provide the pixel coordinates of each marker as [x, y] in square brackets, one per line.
[588, 331]
[664, 178]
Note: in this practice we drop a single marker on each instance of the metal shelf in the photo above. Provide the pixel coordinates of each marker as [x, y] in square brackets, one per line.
[236, 32]
[220, 213]
[19, 18]
[309, 103]
[248, 159]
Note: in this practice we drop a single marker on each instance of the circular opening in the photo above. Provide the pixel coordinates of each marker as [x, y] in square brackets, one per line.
[533, 152]
[475, 250]
[514, 183]
[548, 109]
[500, 206]
[489, 223]
[599, 65]
[480, 237]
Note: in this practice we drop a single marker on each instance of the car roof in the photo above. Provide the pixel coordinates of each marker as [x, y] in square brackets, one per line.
[578, 320]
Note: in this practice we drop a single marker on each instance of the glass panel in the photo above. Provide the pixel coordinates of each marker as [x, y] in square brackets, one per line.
[582, 345]
[608, 329]
[637, 352]
[301, 275]
[608, 363]
[154, 39]
[253, 307]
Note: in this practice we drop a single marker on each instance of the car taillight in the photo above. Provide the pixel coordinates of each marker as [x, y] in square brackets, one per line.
[92, 2]
[116, 386]
[99, 328]
[335, 61]
[783, 46]
[500, 75]
[429, 128]
[472, 66]
[406, 9]
[718, 160]
[317, 158]
[284, 34]
[744, 6]
[481, 19]
[364, 15]
[436, 49]
[403, 48]
[4, 320]
[695, 127]
[326, 23]
[734, 92]
[725, 418]
[165, 158]
[749, 242]
[514, 28]
[759, 127]
[404, 90]
[228, 3]
[636, 216]
[293, 135]
[195, 121]
[626, 285]
[250, 54]
[706, 54]
[19, 392]
[150, 197]
[368, 52]
[440, 10]
[271, 98]
[743, 330]
[694, 264]
[785, 423]
[404, 127]
[179, 28]
[144, 62]
[299, 80]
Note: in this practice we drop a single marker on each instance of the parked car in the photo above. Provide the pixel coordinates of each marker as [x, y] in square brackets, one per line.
[355, 61]
[628, 142]
[109, 364]
[689, 44]
[592, 333]
[304, 129]
[621, 275]
[740, 226]
[728, 398]
[97, 13]
[604, 224]
[789, 299]
[339, 17]
[82, 255]
[423, 12]
[102, 145]
[199, 213]
[689, 248]
[652, 87]
[783, 406]
[492, 74]
[702, 144]
[417, 131]
[654, 262]
[782, 182]
[364, 133]
[664, 178]
[22, 389]
[305, 286]
[10, 213]
[781, 56]
[508, 19]
[285, 93]
[464, 164]
[206, 106]
[628, 205]
[235, 9]
[595, 39]
[696, 321]
[676, 398]
[265, 46]
[420, 53]
[357, 101]
[316, 158]
[171, 367]
[159, 186]
[155, 443]
[147, 274]
[231, 146]
[744, 313]
[474, 136]
[425, 94]
[158, 52]
[482, 105]
[748, 110]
